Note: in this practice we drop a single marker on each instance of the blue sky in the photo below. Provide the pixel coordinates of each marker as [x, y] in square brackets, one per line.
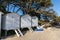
[13, 8]
[56, 6]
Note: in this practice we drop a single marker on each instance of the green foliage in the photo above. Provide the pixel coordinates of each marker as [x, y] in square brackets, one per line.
[57, 19]
[42, 21]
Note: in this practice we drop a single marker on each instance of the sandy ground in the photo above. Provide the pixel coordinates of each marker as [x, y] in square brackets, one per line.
[47, 34]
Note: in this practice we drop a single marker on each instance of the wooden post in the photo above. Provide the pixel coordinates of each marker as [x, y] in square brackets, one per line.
[20, 32]
[5, 33]
[30, 29]
[17, 33]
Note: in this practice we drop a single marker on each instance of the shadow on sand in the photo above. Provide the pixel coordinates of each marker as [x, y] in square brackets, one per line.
[12, 33]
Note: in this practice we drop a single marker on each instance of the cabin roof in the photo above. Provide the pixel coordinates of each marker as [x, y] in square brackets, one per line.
[1, 12]
[12, 13]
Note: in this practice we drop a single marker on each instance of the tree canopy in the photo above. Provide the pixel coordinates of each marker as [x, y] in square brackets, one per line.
[36, 6]
[28, 5]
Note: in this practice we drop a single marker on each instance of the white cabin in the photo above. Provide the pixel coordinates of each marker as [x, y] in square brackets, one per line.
[11, 21]
[25, 21]
[34, 21]
[0, 21]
